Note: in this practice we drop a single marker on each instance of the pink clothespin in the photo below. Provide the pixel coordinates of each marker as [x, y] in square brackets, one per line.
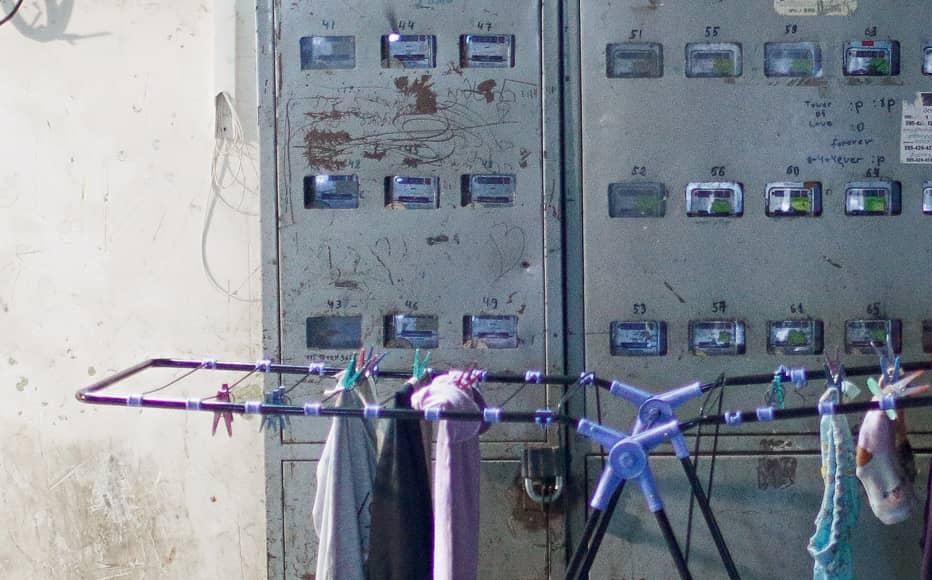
[223, 396]
[467, 379]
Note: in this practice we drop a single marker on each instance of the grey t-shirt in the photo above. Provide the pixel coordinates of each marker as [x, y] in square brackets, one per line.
[345, 475]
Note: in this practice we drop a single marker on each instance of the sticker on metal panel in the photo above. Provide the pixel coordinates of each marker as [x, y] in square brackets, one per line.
[815, 7]
[916, 130]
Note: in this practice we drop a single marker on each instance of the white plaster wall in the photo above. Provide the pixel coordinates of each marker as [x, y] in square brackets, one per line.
[106, 137]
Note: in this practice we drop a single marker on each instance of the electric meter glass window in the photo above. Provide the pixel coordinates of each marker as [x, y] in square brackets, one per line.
[411, 331]
[331, 192]
[716, 199]
[334, 332]
[861, 334]
[794, 199]
[328, 52]
[712, 60]
[927, 58]
[490, 331]
[872, 198]
[872, 58]
[794, 337]
[792, 59]
[636, 200]
[489, 190]
[927, 198]
[487, 51]
[634, 60]
[409, 51]
[717, 337]
[638, 338]
[412, 192]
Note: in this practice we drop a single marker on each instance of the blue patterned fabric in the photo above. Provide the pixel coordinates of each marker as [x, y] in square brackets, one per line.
[830, 546]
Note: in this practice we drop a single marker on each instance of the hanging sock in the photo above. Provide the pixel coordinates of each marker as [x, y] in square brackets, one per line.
[456, 477]
[830, 546]
[345, 476]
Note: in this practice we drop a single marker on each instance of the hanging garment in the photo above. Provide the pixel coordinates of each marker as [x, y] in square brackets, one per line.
[345, 475]
[402, 520]
[926, 541]
[883, 460]
[456, 479]
[830, 546]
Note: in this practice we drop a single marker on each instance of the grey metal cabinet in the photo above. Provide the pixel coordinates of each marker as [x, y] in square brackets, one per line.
[413, 152]
[656, 191]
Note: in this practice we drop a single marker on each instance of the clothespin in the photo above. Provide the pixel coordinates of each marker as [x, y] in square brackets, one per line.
[419, 368]
[354, 370]
[467, 378]
[889, 362]
[835, 378]
[776, 397]
[276, 397]
[834, 371]
[223, 396]
[883, 391]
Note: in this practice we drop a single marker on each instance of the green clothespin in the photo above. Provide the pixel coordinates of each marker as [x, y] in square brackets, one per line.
[776, 396]
[419, 368]
[874, 386]
[351, 375]
[850, 390]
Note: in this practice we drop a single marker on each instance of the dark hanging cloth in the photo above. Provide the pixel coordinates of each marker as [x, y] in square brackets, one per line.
[926, 541]
[402, 533]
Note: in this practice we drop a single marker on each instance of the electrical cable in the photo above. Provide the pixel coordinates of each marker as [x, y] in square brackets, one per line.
[12, 13]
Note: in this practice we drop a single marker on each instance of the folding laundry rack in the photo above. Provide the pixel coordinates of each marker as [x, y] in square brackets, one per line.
[628, 453]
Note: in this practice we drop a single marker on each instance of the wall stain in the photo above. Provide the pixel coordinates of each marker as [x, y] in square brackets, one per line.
[486, 88]
[88, 512]
[425, 99]
[21, 384]
[325, 147]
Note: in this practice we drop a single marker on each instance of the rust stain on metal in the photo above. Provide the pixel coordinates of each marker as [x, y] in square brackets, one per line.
[410, 162]
[374, 154]
[324, 148]
[525, 513]
[425, 99]
[651, 5]
[486, 88]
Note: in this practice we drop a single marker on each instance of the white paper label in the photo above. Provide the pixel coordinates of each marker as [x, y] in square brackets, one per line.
[815, 7]
[916, 130]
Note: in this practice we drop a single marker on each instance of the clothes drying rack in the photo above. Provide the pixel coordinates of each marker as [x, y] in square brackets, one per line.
[628, 453]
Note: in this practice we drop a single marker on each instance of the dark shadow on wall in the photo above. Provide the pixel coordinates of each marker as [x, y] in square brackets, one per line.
[47, 21]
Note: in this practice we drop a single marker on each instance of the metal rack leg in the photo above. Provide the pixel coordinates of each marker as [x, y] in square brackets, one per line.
[710, 520]
[588, 546]
[673, 545]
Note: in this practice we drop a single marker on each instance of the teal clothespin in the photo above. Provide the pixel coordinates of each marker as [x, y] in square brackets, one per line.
[419, 368]
[276, 422]
[776, 396]
[351, 375]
